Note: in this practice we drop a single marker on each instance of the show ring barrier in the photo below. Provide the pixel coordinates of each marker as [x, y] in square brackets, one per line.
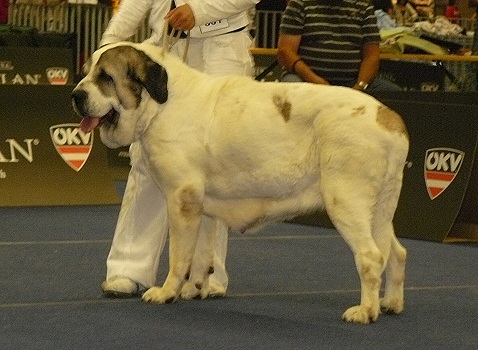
[45, 160]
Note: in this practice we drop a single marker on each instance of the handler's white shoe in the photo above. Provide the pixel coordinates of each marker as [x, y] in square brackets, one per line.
[122, 287]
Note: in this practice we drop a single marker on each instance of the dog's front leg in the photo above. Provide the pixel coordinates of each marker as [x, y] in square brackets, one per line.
[184, 213]
[203, 262]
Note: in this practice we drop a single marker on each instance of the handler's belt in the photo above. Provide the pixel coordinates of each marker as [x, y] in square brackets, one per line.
[183, 35]
[235, 30]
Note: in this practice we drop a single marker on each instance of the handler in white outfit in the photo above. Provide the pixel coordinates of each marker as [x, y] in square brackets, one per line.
[219, 44]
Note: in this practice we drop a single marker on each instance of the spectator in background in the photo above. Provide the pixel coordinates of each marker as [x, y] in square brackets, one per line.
[331, 42]
[384, 13]
[405, 13]
[4, 11]
[452, 12]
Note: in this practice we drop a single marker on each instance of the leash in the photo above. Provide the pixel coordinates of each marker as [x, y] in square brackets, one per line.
[267, 71]
[170, 38]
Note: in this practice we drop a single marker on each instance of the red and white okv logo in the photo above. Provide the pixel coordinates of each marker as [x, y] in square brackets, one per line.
[57, 75]
[441, 168]
[72, 144]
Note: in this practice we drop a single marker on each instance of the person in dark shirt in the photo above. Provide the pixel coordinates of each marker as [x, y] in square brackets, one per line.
[332, 42]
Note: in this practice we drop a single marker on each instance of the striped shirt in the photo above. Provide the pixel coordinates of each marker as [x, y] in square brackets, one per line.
[333, 33]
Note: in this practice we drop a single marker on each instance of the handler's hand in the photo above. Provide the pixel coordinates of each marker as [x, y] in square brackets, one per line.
[181, 18]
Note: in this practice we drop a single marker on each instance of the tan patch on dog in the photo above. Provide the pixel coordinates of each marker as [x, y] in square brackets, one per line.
[390, 120]
[283, 106]
[190, 204]
[357, 112]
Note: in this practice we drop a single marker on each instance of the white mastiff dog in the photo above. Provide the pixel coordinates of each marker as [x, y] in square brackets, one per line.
[247, 152]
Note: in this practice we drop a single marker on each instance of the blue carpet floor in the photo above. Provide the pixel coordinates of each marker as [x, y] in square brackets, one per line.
[289, 285]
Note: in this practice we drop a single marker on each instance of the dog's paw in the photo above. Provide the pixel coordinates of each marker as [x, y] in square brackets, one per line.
[189, 291]
[360, 314]
[391, 305]
[213, 289]
[159, 295]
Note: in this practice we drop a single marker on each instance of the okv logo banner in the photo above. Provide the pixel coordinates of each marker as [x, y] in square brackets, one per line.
[57, 75]
[441, 168]
[73, 145]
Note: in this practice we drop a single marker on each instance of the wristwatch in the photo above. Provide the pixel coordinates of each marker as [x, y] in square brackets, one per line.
[363, 85]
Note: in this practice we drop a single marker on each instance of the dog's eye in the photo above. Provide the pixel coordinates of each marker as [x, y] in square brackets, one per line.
[104, 77]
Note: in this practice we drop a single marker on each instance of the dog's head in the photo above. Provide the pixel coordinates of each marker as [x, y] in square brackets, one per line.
[119, 81]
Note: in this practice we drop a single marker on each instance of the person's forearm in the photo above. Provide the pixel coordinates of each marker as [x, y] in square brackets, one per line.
[292, 62]
[307, 74]
[368, 71]
[369, 66]
[125, 22]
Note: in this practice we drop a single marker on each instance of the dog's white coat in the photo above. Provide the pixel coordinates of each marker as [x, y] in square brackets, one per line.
[247, 152]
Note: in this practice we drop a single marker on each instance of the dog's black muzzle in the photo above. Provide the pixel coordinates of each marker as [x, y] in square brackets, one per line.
[79, 98]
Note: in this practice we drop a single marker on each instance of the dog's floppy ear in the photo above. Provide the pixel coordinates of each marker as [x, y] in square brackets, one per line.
[131, 70]
[156, 81]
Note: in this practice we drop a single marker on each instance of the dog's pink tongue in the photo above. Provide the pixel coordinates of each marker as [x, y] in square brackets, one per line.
[88, 124]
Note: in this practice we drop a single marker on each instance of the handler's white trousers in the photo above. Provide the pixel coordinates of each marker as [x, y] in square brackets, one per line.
[142, 226]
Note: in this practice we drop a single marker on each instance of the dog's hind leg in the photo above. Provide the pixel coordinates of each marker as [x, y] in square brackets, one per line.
[393, 252]
[394, 255]
[349, 206]
[184, 214]
[203, 261]
[393, 299]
